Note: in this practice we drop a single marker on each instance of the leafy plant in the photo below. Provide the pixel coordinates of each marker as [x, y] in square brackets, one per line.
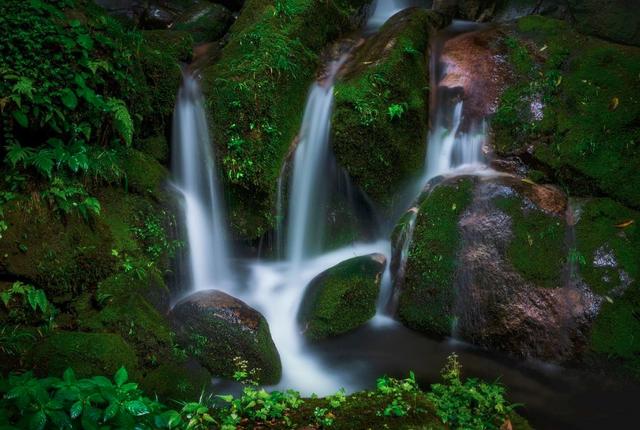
[21, 295]
[398, 390]
[396, 110]
[469, 405]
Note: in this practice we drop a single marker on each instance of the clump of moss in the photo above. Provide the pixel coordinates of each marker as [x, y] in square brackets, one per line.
[582, 122]
[379, 124]
[341, 298]
[536, 250]
[177, 381]
[206, 22]
[144, 174]
[255, 94]
[427, 296]
[87, 354]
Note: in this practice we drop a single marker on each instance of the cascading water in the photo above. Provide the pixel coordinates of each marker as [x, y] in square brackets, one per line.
[309, 190]
[382, 10]
[194, 176]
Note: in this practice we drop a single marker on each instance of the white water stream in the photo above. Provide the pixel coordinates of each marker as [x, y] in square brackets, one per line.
[194, 176]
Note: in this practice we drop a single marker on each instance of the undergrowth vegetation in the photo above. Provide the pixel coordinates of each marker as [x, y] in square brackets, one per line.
[98, 402]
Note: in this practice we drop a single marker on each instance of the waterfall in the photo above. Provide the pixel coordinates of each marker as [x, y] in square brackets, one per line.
[382, 10]
[308, 199]
[194, 176]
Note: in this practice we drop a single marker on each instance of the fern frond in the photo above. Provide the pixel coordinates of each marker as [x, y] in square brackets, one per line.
[121, 119]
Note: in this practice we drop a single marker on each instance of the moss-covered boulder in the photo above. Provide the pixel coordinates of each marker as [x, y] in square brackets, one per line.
[215, 328]
[88, 354]
[206, 22]
[342, 298]
[569, 117]
[427, 296]
[62, 254]
[491, 261]
[144, 175]
[255, 95]
[379, 123]
[608, 255]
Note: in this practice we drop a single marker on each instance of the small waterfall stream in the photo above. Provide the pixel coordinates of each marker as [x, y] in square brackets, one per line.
[194, 176]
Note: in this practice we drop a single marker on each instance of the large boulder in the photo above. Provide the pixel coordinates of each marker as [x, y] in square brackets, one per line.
[256, 94]
[490, 263]
[565, 116]
[379, 124]
[342, 298]
[215, 328]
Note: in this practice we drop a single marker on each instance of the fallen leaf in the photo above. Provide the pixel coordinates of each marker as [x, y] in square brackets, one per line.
[506, 425]
[528, 181]
[613, 104]
[543, 48]
[609, 299]
[625, 224]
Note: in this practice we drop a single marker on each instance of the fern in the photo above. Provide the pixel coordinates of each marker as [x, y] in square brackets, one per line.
[121, 119]
[17, 154]
[43, 161]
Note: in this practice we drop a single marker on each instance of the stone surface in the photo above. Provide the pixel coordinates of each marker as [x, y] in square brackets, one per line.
[342, 298]
[215, 327]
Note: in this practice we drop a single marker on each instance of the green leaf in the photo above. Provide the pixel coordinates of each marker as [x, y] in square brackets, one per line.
[69, 375]
[69, 98]
[76, 409]
[38, 421]
[121, 376]
[111, 411]
[85, 41]
[136, 408]
[21, 118]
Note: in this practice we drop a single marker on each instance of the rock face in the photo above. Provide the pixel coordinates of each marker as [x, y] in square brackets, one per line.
[342, 298]
[565, 116]
[215, 327]
[379, 124]
[256, 94]
[488, 263]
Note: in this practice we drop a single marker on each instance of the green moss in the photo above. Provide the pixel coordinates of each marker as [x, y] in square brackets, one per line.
[341, 298]
[428, 295]
[255, 94]
[381, 152]
[88, 354]
[144, 175]
[157, 147]
[536, 250]
[160, 56]
[177, 381]
[63, 255]
[597, 230]
[589, 132]
[608, 19]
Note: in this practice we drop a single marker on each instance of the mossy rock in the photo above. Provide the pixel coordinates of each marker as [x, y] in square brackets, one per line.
[342, 298]
[427, 296]
[144, 174]
[608, 19]
[256, 92]
[585, 129]
[379, 124]
[206, 22]
[215, 328]
[177, 381]
[608, 242]
[160, 57]
[62, 254]
[88, 354]
[157, 147]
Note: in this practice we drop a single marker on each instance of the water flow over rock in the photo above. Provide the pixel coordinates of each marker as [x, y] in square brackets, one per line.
[194, 175]
[309, 189]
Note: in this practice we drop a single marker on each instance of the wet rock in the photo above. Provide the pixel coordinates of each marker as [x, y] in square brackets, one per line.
[206, 22]
[556, 115]
[470, 10]
[342, 298]
[234, 5]
[379, 120]
[488, 264]
[477, 69]
[215, 327]
[156, 18]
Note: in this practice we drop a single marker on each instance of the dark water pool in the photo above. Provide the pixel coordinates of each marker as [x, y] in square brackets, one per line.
[553, 397]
